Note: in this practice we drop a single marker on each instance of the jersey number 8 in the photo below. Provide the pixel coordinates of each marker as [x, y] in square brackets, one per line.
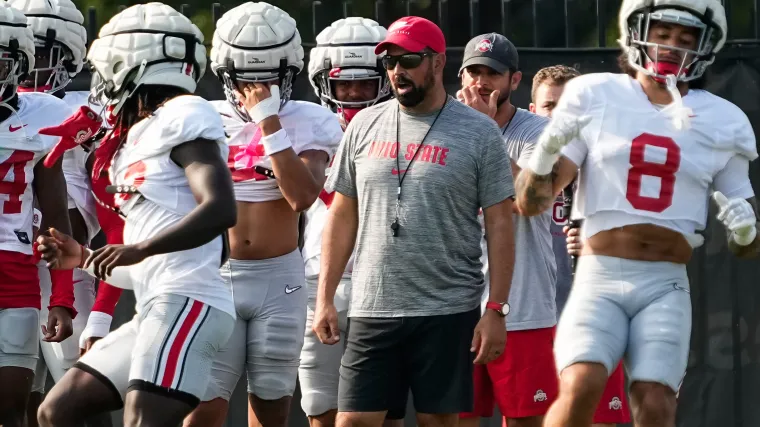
[666, 172]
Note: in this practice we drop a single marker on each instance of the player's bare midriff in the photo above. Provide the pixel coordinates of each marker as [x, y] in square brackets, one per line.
[641, 242]
[264, 230]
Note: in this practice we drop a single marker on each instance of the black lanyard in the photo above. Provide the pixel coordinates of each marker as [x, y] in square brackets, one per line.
[395, 225]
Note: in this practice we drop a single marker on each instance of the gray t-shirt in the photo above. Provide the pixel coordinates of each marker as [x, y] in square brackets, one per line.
[433, 266]
[532, 297]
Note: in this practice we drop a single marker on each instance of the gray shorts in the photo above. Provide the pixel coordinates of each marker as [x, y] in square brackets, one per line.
[19, 334]
[620, 307]
[167, 348]
[270, 300]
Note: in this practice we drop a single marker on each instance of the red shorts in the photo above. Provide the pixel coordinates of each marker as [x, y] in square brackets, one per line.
[19, 281]
[613, 406]
[523, 381]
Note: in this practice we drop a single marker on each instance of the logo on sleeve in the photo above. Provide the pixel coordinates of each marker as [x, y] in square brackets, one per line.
[15, 128]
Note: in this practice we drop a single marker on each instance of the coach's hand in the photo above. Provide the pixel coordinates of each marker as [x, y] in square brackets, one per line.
[469, 96]
[574, 244]
[59, 325]
[490, 338]
[105, 259]
[325, 323]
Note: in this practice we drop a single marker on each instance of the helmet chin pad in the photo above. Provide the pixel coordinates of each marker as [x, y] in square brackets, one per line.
[348, 113]
[662, 68]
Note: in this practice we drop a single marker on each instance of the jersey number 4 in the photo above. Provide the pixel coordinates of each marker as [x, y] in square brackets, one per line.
[16, 186]
[666, 172]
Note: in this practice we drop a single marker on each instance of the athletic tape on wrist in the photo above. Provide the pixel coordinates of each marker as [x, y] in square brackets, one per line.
[119, 276]
[267, 107]
[542, 162]
[98, 326]
[276, 142]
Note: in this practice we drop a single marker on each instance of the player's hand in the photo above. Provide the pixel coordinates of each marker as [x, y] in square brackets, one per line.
[738, 216]
[574, 244]
[490, 338]
[59, 325]
[561, 130]
[325, 323]
[260, 100]
[60, 251]
[469, 96]
[105, 259]
[98, 326]
[88, 343]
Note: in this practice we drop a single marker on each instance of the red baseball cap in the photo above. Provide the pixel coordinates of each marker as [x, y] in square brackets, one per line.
[413, 34]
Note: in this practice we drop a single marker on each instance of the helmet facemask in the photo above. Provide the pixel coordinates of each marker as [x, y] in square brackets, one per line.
[692, 64]
[231, 79]
[326, 81]
[13, 68]
[50, 73]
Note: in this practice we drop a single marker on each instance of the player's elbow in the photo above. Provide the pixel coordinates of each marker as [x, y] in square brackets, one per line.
[304, 200]
[222, 214]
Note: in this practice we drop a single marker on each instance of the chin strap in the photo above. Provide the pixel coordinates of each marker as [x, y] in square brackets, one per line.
[679, 113]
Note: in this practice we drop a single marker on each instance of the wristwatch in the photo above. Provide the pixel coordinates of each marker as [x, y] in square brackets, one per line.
[500, 307]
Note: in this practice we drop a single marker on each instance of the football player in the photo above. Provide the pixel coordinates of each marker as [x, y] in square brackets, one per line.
[649, 150]
[279, 149]
[173, 187]
[347, 76]
[60, 42]
[22, 177]
[547, 88]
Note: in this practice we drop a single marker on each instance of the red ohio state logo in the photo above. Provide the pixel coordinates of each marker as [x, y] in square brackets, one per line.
[484, 45]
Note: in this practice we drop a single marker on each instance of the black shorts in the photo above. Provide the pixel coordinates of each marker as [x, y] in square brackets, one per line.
[386, 357]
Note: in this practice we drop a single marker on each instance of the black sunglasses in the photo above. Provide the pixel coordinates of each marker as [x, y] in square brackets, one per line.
[407, 60]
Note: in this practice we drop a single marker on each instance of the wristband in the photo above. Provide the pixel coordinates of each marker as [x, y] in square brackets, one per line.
[276, 142]
[98, 326]
[542, 162]
[744, 239]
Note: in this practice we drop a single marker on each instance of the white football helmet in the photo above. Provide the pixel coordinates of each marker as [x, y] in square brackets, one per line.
[256, 42]
[346, 51]
[16, 50]
[146, 44]
[60, 36]
[708, 16]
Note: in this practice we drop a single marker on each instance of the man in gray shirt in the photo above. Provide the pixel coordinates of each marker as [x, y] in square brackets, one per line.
[523, 381]
[410, 177]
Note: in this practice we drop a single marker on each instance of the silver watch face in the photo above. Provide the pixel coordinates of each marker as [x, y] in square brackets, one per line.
[505, 309]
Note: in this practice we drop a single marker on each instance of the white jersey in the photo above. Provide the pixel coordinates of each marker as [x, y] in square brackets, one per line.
[637, 168]
[309, 127]
[165, 198]
[78, 183]
[21, 147]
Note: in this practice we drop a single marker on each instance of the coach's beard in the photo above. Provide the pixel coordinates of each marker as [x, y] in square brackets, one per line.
[416, 94]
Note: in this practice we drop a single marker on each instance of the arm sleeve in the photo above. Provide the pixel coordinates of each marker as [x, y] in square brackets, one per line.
[342, 176]
[575, 102]
[107, 298]
[495, 182]
[733, 180]
[62, 294]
